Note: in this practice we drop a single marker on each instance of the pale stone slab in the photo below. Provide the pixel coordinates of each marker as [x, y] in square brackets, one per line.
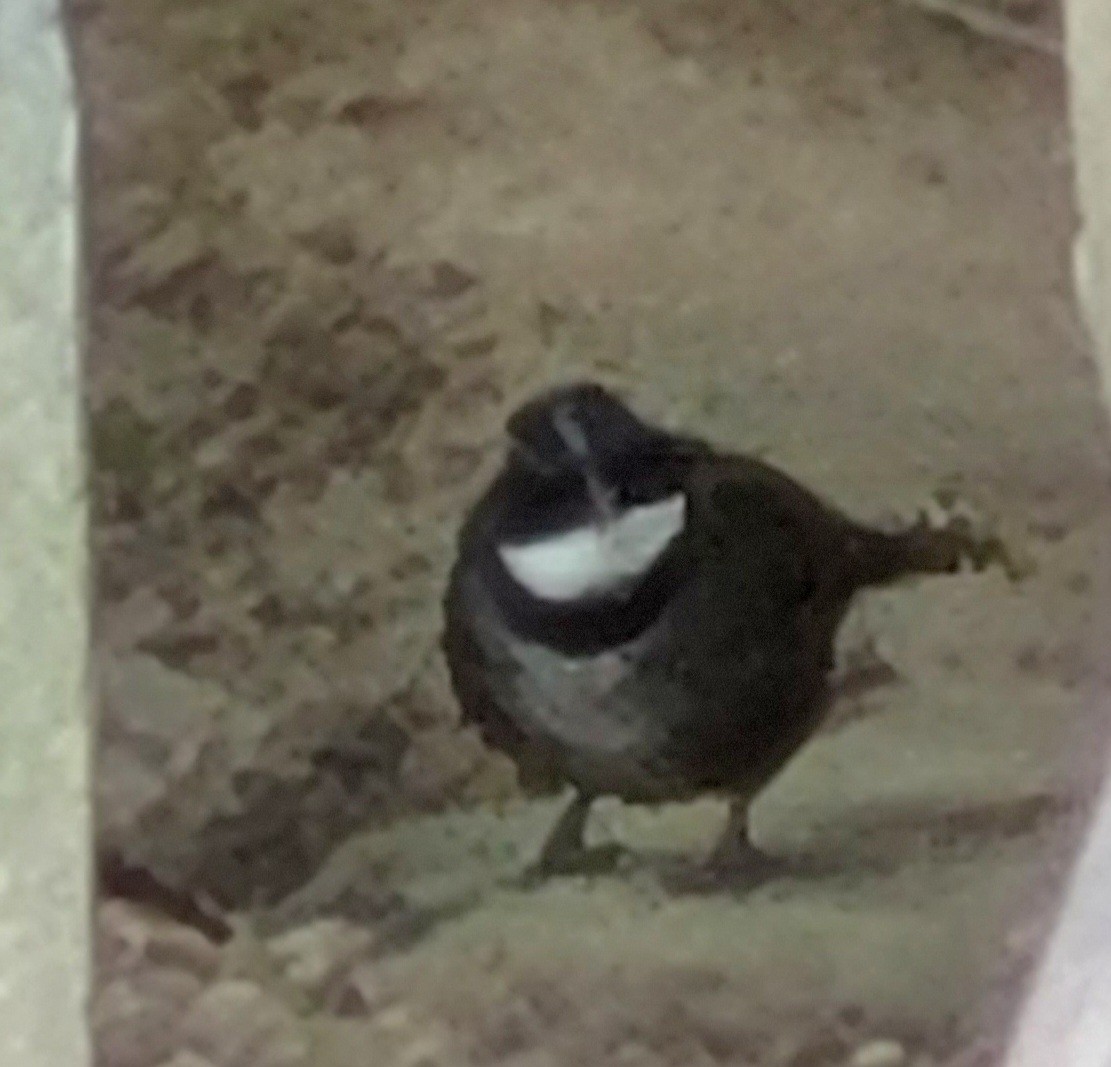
[1067, 1020]
[44, 725]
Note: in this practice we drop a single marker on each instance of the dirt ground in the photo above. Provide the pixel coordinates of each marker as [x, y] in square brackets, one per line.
[332, 245]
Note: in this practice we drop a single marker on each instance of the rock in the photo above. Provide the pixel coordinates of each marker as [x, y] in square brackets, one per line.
[236, 1024]
[134, 1018]
[823, 1046]
[122, 624]
[880, 1053]
[360, 993]
[439, 764]
[185, 948]
[128, 938]
[187, 1059]
[178, 250]
[121, 939]
[126, 789]
[629, 1054]
[426, 1050]
[314, 956]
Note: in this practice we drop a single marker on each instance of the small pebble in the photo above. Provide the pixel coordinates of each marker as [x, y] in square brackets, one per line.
[173, 945]
[360, 992]
[236, 1024]
[313, 955]
[134, 1016]
[881, 1053]
[187, 1059]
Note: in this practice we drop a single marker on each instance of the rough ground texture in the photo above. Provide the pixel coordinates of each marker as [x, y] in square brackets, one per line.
[333, 244]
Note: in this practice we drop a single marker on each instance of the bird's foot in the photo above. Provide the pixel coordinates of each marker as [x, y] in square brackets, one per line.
[738, 862]
[596, 860]
[565, 852]
[731, 867]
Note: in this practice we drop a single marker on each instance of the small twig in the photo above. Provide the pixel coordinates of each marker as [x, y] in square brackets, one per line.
[117, 878]
[987, 24]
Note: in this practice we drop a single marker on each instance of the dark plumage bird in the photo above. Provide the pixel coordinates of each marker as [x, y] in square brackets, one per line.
[638, 615]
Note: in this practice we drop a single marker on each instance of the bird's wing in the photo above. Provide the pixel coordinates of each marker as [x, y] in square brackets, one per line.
[772, 539]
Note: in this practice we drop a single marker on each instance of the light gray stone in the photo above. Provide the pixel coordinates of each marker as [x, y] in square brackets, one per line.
[135, 1017]
[236, 1024]
[1066, 1020]
[883, 1052]
[1088, 38]
[44, 753]
[313, 956]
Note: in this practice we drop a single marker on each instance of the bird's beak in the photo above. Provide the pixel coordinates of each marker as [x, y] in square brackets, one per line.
[600, 497]
[576, 442]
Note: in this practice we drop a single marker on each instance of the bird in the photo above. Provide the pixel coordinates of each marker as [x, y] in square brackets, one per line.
[635, 613]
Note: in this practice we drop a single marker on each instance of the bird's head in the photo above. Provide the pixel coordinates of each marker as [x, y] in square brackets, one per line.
[598, 497]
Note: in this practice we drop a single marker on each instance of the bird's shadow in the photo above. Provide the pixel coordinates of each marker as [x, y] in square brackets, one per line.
[874, 843]
[877, 843]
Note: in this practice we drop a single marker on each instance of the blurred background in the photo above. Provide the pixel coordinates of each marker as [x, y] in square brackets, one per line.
[333, 244]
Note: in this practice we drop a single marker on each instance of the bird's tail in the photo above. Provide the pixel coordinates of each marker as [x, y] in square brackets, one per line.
[875, 557]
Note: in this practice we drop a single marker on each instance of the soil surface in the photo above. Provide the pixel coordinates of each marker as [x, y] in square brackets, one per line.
[332, 245]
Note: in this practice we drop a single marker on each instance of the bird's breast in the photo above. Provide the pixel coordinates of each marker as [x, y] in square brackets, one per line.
[593, 702]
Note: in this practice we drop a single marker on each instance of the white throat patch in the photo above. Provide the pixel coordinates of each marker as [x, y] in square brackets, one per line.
[594, 559]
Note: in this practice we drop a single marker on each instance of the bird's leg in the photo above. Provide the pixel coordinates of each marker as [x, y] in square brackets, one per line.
[734, 843]
[735, 855]
[565, 845]
[565, 851]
